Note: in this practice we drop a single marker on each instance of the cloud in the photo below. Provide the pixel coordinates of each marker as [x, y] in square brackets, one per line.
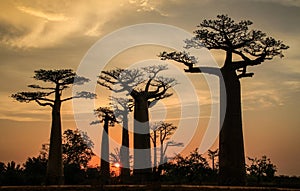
[44, 15]
[147, 6]
[54, 22]
[291, 3]
[261, 99]
[50, 23]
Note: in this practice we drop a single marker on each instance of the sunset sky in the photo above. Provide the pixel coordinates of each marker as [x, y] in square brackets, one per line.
[57, 34]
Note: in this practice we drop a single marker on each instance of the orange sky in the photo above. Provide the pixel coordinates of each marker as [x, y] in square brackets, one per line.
[57, 34]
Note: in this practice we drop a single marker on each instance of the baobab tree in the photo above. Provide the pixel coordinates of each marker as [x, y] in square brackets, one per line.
[122, 107]
[106, 115]
[145, 87]
[51, 96]
[243, 48]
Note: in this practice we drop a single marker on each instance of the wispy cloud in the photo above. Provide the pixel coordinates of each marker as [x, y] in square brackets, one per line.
[147, 6]
[43, 26]
[44, 15]
[54, 22]
[261, 99]
[295, 3]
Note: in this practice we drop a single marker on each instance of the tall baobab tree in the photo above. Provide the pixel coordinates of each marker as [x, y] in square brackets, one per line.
[243, 48]
[145, 87]
[106, 115]
[122, 107]
[51, 96]
[212, 155]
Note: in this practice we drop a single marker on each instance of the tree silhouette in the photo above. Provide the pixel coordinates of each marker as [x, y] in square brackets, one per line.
[212, 155]
[35, 170]
[261, 168]
[77, 148]
[52, 96]
[190, 169]
[154, 135]
[252, 47]
[161, 131]
[77, 152]
[145, 87]
[122, 107]
[106, 115]
[12, 174]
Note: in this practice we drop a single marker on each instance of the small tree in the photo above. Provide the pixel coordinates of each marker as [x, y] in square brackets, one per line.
[77, 152]
[77, 148]
[190, 169]
[243, 48]
[260, 168]
[212, 155]
[52, 96]
[106, 115]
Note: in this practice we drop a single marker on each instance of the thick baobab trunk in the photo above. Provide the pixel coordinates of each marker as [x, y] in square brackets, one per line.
[55, 174]
[231, 144]
[142, 154]
[124, 151]
[104, 166]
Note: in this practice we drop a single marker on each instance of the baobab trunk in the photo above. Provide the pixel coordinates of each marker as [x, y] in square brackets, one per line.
[154, 152]
[231, 144]
[142, 154]
[124, 151]
[104, 168]
[54, 174]
[161, 152]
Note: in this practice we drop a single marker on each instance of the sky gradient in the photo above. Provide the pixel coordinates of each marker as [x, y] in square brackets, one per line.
[57, 34]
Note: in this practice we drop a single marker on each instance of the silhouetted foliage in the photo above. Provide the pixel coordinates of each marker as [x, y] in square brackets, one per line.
[35, 170]
[77, 152]
[11, 174]
[261, 168]
[60, 80]
[192, 169]
[77, 148]
[243, 48]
